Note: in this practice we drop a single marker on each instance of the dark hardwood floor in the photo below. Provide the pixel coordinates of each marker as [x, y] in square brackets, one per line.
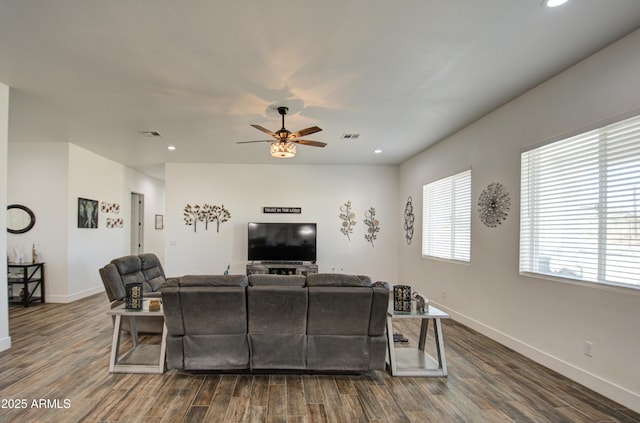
[57, 370]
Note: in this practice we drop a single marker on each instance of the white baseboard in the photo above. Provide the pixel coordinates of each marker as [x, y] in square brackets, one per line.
[64, 299]
[602, 386]
[5, 343]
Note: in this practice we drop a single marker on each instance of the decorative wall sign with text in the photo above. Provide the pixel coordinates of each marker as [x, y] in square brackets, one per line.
[288, 210]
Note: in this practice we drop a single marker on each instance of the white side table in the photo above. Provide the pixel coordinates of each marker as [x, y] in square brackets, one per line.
[415, 361]
[141, 358]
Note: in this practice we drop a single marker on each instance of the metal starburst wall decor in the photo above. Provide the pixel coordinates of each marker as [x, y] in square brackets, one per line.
[493, 205]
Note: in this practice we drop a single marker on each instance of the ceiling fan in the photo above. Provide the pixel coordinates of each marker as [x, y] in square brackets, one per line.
[283, 144]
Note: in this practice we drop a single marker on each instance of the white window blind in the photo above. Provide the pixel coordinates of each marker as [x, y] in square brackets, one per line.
[580, 206]
[446, 231]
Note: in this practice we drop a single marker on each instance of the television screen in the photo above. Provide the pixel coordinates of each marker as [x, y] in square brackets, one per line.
[282, 241]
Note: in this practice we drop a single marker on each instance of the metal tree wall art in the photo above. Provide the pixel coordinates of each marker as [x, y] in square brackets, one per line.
[207, 213]
[493, 205]
[192, 216]
[217, 214]
[409, 218]
[373, 225]
[348, 219]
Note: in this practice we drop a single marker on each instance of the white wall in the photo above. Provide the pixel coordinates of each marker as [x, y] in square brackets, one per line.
[38, 179]
[93, 177]
[546, 320]
[49, 179]
[245, 189]
[5, 339]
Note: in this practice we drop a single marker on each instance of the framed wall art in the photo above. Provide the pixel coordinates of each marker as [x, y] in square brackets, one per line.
[87, 213]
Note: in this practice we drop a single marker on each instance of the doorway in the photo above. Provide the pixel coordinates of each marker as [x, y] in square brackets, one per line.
[137, 223]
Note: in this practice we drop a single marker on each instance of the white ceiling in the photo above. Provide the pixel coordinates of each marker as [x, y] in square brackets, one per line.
[403, 74]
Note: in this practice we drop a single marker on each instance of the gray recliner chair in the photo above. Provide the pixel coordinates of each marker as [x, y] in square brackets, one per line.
[144, 268]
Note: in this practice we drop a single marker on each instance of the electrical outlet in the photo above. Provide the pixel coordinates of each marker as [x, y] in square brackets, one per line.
[588, 348]
[444, 294]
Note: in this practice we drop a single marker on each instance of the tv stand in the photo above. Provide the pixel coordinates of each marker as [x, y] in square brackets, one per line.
[281, 268]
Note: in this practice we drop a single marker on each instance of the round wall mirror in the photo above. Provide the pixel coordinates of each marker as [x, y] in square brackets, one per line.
[20, 219]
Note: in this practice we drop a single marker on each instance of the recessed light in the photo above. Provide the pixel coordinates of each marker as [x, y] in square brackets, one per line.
[171, 147]
[377, 151]
[555, 3]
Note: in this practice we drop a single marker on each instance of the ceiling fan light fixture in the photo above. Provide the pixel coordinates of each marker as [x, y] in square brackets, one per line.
[282, 150]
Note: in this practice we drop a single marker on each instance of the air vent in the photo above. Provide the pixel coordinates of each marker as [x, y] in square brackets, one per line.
[349, 136]
[150, 134]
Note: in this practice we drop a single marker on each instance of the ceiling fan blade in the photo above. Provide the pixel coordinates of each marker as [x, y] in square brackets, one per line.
[307, 131]
[263, 129]
[309, 142]
[249, 142]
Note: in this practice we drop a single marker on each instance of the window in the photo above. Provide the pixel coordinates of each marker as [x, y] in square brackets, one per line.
[580, 205]
[446, 220]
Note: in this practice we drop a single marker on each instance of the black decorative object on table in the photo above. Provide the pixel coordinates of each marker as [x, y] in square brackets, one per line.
[134, 296]
[402, 299]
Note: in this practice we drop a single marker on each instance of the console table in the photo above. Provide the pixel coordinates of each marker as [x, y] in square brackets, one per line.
[30, 277]
[282, 268]
[141, 358]
[416, 361]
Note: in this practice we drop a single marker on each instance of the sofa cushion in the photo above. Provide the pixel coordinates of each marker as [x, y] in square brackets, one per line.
[277, 309]
[217, 352]
[337, 279]
[112, 282]
[379, 306]
[280, 280]
[278, 351]
[338, 353]
[128, 264]
[213, 280]
[130, 269]
[339, 310]
[219, 311]
[152, 270]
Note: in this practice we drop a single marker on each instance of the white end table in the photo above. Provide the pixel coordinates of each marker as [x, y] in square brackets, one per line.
[415, 361]
[141, 358]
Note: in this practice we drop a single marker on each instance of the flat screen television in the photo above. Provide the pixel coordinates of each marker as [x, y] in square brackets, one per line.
[282, 241]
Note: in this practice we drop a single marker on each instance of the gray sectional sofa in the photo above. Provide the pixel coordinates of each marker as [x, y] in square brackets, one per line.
[321, 322]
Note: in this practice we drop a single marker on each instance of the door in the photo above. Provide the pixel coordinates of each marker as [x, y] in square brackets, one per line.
[137, 223]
